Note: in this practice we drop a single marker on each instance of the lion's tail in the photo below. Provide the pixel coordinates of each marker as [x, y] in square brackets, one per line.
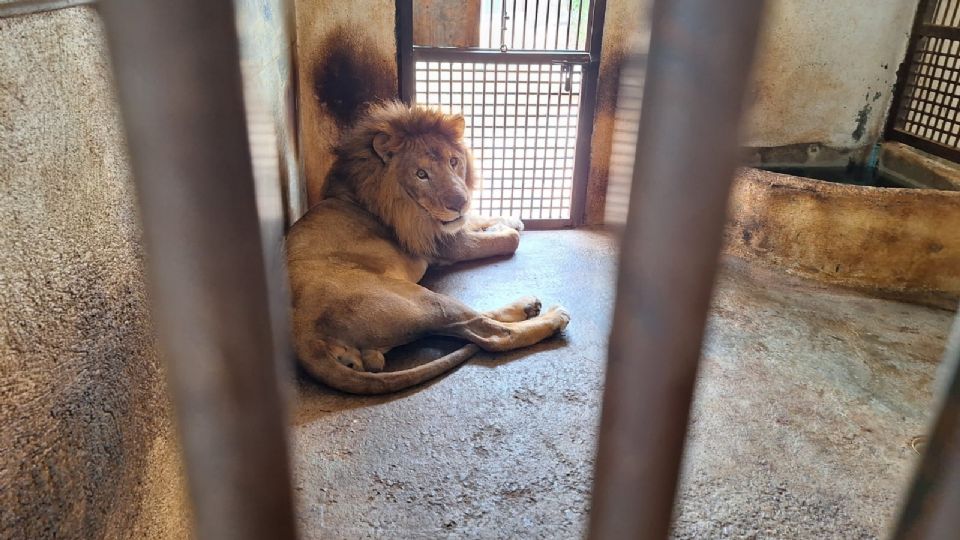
[322, 365]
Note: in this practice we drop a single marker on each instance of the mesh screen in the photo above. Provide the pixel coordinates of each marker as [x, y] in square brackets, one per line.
[521, 125]
[930, 100]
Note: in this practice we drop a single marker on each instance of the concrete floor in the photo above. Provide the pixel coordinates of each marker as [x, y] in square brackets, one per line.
[807, 401]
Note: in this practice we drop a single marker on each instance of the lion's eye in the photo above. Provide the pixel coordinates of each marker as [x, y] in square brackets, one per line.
[454, 161]
[421, 174]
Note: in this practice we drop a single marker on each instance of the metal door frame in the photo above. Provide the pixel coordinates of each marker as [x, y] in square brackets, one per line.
[409, 54]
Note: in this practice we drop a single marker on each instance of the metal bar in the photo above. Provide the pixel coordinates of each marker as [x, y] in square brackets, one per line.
[588, 107]
[930, 510]
[927, 145]
[685, 159]
[545, 224]
[924, 9]
[490, 29]
[503, 26]
[18, 8]
[405, 61]
[576, 44]
[494, 56]
[536, 17]
[513, 28]
[939, 31]
[178, 76]
[523, 33]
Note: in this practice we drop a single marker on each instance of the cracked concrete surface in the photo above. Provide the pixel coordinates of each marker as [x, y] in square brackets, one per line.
[807, 401]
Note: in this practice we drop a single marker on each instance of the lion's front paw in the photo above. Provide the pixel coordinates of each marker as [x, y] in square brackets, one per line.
[531, 306]
[560, 316]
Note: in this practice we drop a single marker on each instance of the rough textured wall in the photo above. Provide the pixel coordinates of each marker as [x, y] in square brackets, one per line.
[621, 32]
[446, 23]
[88, 450]
[824, 76]
[346, 56]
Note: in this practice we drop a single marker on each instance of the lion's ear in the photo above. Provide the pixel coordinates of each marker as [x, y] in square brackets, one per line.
[458, 124]
[382, 146]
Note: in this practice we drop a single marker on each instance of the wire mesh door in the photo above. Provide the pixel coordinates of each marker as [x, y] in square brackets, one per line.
[927, 98]
[523, 74]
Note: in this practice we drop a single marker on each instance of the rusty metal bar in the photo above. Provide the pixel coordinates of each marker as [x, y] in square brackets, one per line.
[932, 509]
[700, 56]
[178, 76]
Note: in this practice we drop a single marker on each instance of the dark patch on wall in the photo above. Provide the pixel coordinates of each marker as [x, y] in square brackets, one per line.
[862, 116]
[349, 72]
[809, 154]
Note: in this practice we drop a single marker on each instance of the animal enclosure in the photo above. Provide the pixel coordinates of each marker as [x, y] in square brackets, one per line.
[750, 352]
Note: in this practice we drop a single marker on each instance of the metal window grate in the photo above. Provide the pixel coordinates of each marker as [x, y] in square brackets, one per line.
[927, 99]
[534, 24]
[522, 124]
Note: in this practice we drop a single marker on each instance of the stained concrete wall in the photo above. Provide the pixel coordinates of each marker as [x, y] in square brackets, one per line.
[625, 29]
[821, 91]
[346, 56]
[824, 78]
[266, 32]
[88, 448]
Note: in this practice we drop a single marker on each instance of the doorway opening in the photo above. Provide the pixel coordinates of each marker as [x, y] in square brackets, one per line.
[523, 74]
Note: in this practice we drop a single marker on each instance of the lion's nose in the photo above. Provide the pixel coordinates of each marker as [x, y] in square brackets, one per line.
[455, 202]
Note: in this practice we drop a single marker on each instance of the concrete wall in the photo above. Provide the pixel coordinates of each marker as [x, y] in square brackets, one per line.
[822, 87]
[824, 77]
[266, 32]
[88, 448]
[625, 29]
[346, 56]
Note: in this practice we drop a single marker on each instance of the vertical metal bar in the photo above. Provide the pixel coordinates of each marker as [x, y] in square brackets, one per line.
[931, 509]
[503, 26]
[536, 21]
[685, 159]
[588, 105]
[523, 34]
[513, 29]
[405, 63]
[569, 24]
[490, 29]
[177, 70]
[556, 33]
[579, 20]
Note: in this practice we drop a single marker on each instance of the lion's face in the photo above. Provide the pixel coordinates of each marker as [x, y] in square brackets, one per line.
[409, 167]
[433, 175]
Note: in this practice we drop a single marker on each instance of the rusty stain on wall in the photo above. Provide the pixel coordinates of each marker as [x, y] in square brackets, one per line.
[902, 241]
[346, 56]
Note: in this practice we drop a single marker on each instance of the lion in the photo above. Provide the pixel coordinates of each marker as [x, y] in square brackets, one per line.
[396, 201]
